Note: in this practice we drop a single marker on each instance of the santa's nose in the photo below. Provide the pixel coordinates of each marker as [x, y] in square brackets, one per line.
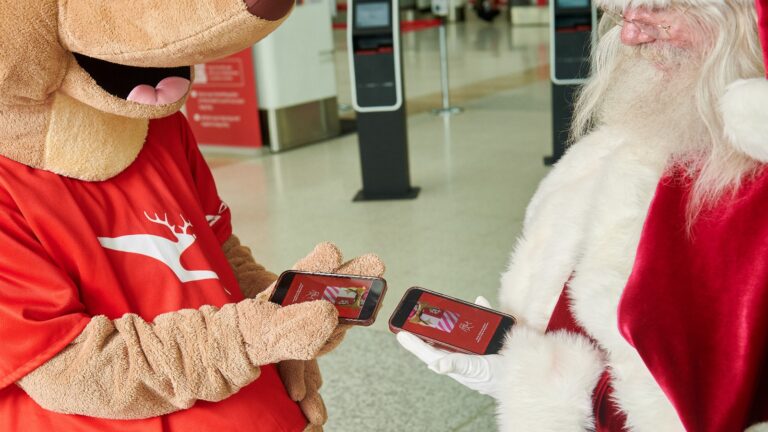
[271, 10]
[630, 33]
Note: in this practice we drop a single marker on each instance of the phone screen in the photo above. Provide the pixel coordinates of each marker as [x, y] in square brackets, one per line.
[348, 294]
[455, 323]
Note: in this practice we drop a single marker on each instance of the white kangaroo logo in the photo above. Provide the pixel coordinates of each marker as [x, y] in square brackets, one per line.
[160, 248]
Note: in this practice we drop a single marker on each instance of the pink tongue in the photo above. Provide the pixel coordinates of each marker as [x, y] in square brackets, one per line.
[168, 91]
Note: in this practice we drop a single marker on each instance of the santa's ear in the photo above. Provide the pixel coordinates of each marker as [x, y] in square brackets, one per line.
[745, 117]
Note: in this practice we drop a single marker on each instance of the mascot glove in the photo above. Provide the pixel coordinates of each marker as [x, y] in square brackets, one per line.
[302, 379]
[297, 332]
[327, 258]
[481, 373]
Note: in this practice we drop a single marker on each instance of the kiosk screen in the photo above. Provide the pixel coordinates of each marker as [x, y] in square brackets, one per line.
[372, 15]
[573, 4]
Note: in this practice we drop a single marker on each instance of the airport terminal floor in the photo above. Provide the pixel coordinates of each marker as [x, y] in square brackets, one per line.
[476, 170]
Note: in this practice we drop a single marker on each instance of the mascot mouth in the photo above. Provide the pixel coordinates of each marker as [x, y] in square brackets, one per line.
[146, 86]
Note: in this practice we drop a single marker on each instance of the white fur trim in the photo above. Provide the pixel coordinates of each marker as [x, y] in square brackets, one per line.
[554, 228]
[745, 115]
[623, 4]
[761, 427]
[586, 219]
[620, 204]
[548, 381]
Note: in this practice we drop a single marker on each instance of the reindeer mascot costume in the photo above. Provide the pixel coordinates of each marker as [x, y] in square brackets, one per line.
[125, 301]
[640, 281]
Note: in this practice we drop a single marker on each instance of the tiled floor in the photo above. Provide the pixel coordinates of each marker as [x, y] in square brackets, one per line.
[476, 170]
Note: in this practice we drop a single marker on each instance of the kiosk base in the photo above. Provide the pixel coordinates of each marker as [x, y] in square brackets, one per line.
[447, 111]
[361, 196]
[383, 142]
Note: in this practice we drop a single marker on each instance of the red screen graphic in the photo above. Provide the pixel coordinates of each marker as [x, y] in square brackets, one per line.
[454, 323]
[347, 294]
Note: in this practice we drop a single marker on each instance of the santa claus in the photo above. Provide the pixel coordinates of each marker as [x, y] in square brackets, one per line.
[640, 281]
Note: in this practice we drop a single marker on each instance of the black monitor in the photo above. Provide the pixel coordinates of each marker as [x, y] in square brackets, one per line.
[374, 49]
[572, 27]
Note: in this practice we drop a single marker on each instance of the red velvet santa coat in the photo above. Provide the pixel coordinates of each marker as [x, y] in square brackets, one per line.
[696, 305]
[584, 227]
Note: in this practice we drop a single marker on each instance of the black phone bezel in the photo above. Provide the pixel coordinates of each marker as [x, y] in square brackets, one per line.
[405, 307]
[372, 300]
[281, 286]
[497, 340]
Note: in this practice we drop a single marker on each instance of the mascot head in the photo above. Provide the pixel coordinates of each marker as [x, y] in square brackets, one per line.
[80, 79]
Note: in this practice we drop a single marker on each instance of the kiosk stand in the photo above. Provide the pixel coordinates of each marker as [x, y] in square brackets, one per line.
[441, 8]
[377, 95]
[571, 23]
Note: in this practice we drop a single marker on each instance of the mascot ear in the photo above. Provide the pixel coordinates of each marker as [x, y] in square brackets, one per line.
[745, 104]
[32, 63]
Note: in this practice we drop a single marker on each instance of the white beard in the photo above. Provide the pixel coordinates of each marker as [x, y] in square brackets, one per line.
[653, 99]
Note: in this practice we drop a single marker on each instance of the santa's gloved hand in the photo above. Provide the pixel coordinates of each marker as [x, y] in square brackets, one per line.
[481, 373]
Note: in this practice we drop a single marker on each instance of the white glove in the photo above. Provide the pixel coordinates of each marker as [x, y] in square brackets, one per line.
[481, 373]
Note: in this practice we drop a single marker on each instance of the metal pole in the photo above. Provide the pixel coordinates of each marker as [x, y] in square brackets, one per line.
[447, 109]
[444, 66]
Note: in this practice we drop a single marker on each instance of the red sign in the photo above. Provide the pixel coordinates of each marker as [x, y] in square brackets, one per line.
[222, 107]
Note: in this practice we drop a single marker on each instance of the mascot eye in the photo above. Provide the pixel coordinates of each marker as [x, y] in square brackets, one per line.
[119, 80]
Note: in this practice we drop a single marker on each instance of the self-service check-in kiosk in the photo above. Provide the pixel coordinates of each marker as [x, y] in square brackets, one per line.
[377, 94]
[572, 23]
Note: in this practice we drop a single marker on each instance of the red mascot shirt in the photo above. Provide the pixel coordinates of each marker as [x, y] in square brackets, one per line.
[147, 241]
[696, 305]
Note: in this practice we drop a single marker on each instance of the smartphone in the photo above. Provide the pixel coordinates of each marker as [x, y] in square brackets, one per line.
[357, 298]
[449, 323]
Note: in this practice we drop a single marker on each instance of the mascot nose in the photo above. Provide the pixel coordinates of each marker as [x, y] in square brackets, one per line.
[271, 10]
